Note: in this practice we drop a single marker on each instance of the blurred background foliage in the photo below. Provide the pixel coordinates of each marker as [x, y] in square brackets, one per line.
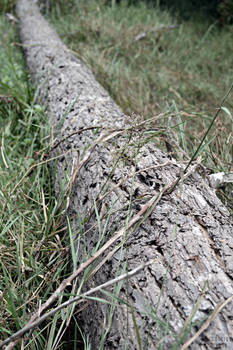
[220, 10]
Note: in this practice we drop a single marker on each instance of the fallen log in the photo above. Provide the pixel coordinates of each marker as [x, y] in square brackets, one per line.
[115, 174]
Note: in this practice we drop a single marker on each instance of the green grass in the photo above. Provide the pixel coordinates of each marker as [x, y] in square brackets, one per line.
[30, 251]
[182, 72]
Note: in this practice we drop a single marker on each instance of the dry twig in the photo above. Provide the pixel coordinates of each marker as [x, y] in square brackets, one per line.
[207, 322]
[36, 323]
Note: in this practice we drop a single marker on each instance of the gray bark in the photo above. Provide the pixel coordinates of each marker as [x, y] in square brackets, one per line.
[189, 231]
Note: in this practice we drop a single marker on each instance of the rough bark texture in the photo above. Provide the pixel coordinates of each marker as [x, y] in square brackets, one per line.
[189, 231]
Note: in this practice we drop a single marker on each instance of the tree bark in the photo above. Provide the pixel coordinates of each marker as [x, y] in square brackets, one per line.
[188, 231]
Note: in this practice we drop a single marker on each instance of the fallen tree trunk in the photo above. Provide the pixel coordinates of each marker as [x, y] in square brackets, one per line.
[173, 218]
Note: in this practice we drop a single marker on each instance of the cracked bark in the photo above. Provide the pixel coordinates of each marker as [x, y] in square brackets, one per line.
[189, 231]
